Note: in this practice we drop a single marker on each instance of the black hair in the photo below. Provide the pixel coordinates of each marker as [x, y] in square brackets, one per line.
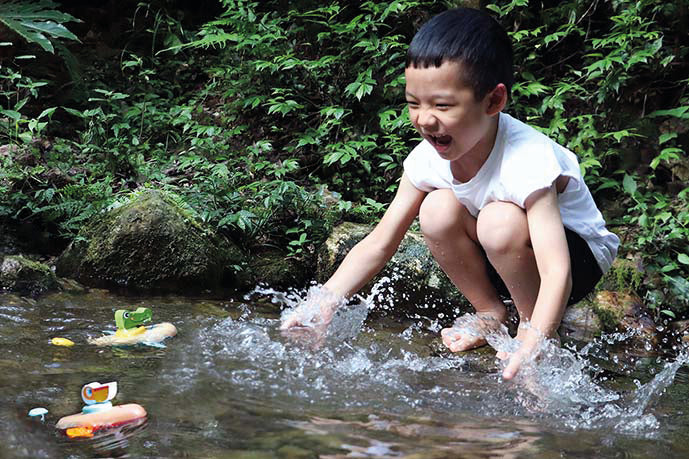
[468, 36]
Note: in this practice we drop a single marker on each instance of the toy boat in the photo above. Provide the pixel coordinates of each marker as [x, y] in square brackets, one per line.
[99, 413]
[131, 330]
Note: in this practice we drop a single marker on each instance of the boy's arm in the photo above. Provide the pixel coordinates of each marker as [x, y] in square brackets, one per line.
[371, 254]
[552, 259]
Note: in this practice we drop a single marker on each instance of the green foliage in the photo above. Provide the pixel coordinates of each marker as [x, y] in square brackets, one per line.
[598, 77]
[16, 90]
[36, 22]
[249, 120]
[326, 83]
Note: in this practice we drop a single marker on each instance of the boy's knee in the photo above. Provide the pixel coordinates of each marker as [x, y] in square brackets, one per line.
[502, 227]
[440, 214]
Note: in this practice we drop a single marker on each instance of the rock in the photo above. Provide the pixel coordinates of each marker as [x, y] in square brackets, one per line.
[275, 269]
[71, 286]
[624, 312]
[151, 242]
[679, 332]
[413, 280]
[25, 277]
[580, 322]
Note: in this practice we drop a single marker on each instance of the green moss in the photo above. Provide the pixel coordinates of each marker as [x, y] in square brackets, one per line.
[609, 319]
[623, 276]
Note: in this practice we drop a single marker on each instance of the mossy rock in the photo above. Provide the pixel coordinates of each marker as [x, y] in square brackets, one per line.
[25, 277]
[625, 312]
[153, 243]
[625, 276]
[275, 269]
[414, 281]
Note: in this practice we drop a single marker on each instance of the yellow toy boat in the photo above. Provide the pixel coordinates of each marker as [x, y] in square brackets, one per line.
[151, 335]
[131, 330]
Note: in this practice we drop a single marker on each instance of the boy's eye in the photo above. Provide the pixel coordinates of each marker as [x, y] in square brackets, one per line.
[412, 104]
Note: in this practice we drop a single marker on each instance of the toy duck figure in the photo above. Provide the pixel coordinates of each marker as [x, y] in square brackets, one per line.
[97, 396]
[132, 329]
[99, 413]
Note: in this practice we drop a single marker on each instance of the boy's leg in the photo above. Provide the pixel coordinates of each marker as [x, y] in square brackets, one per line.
[450, 233]
[503, 232]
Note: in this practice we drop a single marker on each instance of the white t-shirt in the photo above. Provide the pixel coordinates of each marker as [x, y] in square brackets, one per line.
[522, 161]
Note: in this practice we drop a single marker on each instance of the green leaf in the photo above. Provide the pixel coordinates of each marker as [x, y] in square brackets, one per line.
[683, 258]
[74, 112]
[665, 155]
[47, 112]
[679, 112]
[666, 136]
[669, 313]
[14, 115]
[629, 184]
[36, 22]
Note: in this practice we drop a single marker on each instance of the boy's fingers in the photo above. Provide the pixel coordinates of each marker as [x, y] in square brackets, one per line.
[509, 372]
[289, 323]
[450, 333]
[512, 367]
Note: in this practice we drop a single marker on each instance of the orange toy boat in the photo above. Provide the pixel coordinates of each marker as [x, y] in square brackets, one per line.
[99, 413]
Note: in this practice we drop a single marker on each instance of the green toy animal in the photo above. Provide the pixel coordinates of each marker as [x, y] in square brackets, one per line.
[126, 320]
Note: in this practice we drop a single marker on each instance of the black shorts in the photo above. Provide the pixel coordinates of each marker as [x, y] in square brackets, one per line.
[585, 270]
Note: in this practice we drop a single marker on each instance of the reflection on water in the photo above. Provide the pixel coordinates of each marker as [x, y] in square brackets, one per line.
[231, 384]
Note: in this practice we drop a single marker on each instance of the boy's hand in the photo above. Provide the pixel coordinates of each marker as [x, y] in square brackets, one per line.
[532, 343]
[310, 315]
[316, 311]
[308, 323]
[516, 359]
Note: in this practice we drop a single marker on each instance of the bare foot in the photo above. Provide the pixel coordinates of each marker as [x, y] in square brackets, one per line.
[458, 341]
[457, 338]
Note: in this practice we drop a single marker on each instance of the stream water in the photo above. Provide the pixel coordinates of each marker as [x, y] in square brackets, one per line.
[230, 384]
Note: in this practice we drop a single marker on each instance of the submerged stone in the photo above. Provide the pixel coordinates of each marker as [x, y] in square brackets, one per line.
[151, 242]
[25, 277]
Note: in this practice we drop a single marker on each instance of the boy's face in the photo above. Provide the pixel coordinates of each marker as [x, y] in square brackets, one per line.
[446, 113]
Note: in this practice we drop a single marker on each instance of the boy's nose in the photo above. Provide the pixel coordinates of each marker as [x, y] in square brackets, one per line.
[426, 119]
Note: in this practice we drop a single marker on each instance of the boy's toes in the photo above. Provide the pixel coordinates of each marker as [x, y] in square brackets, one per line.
[466, 343]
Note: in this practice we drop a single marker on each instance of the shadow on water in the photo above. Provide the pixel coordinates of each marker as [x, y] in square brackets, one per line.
[230, 384]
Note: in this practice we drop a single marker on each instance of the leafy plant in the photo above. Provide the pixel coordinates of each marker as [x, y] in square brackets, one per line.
[37, 22]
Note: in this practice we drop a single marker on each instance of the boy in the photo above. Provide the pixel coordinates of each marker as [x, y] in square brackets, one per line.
[503, 209]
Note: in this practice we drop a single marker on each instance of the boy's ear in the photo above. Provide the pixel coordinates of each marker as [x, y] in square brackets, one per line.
[497, 99]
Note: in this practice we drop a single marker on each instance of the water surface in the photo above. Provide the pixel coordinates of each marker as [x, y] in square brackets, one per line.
[231, 385]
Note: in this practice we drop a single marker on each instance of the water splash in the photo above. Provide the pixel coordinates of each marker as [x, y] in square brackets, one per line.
[556, 382]
[249, 356]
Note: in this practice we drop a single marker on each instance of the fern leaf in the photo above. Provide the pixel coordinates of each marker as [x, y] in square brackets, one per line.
[35, 22]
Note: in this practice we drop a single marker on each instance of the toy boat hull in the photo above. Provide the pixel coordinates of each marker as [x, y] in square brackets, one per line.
[153, 334]
[113, 417]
